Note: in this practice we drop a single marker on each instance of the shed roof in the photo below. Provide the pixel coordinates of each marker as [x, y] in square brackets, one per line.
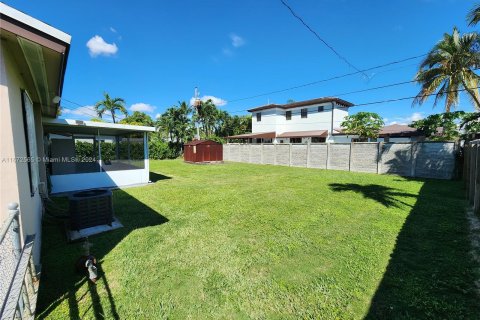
[197, 142]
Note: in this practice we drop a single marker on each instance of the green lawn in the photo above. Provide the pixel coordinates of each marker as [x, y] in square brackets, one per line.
[269, 242]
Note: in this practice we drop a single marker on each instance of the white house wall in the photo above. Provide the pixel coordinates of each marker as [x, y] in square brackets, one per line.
[275, 120]
[83, 181]
[15, 186]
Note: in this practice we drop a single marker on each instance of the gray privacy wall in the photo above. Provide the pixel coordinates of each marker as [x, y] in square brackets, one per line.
[413, 159]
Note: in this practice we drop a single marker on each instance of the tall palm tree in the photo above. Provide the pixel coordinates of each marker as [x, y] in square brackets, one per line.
[448, 69]
[111, 105]
[473, 16]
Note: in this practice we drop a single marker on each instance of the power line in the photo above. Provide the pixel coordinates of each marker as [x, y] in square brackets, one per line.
[321, 39]
[327, 79]
[89, 108]
[357, 91]
[398, 99]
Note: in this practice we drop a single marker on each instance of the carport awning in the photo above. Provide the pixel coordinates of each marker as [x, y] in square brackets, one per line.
[304, 134]
[264, 135]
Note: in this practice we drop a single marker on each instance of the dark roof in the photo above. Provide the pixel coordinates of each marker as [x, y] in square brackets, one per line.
[393, 130]
[197, 142]
[265, 135]
[303, 134]
[398, 130]
[338, 101]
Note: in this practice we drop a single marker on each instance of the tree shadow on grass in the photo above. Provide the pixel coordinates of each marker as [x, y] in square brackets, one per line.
[60, 281]
[387, 196]
[430, 274]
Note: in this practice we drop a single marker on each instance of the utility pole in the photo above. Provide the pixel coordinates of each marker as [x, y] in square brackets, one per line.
[196, 104]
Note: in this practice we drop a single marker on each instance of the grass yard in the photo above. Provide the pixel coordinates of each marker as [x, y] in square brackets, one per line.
[269, 242]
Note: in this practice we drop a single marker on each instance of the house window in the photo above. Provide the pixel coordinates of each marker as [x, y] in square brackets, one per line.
[304, 112]
[30, 142]
[318, 139]
[295, 140]
[259, 116]
[288, 115]
[320, 109]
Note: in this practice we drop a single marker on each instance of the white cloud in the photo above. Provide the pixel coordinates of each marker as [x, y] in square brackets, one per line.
[158, 115]
[219, 102]
[85, 111]
[237, 41]
[113, 29]
[97, 46]
[406, 120]
[143, 107]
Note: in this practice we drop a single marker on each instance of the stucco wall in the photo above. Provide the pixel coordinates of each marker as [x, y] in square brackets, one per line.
[274, 119]
[15, 185]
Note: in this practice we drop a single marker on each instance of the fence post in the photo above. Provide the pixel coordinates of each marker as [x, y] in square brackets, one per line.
[476, 177]
[261, 154]
[473, 170]
[350, 157]
[413, 149]
[308, 153]
[379, 156]
[328, 155]
[17, 244]
[290, 156]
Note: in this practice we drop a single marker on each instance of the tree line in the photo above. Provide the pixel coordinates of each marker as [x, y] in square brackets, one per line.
[177, 125]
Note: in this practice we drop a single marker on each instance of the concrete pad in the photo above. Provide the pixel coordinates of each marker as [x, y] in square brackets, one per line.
[73, 235]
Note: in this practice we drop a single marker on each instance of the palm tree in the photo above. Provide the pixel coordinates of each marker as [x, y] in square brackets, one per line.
[111, 105]
[448, 69]
[473, 16]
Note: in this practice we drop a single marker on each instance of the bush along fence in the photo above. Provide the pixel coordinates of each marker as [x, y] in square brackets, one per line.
[416, 159]
[471, 174]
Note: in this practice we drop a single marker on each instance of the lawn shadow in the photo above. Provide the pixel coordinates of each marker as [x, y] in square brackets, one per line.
[154, 177]
[61, 282]
[387, 196]
[430, 274]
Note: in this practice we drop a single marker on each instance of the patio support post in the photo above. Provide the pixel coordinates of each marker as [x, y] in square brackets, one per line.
[99, 151]
[145, 150]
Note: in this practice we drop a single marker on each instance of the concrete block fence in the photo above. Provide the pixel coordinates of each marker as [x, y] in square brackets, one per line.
[415, 159]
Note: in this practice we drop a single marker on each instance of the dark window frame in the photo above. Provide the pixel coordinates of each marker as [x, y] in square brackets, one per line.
[318, 140]
[304, 113]
[321, 108]
[295, 140]
[27, 142]
[259, 116]
[288, 115]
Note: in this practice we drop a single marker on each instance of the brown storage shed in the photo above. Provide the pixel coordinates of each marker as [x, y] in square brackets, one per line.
[203, 151]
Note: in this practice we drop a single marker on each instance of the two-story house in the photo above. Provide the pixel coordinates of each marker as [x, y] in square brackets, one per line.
[298, 122]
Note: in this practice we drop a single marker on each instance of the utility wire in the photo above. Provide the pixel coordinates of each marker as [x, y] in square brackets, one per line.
[326, 80]
[321, 39]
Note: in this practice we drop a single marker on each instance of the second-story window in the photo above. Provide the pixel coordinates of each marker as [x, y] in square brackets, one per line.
[320, 109]
[304, 112]
[288, 115]
[259, 116]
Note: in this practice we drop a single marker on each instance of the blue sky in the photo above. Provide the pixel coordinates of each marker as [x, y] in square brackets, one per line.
[153, 53]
